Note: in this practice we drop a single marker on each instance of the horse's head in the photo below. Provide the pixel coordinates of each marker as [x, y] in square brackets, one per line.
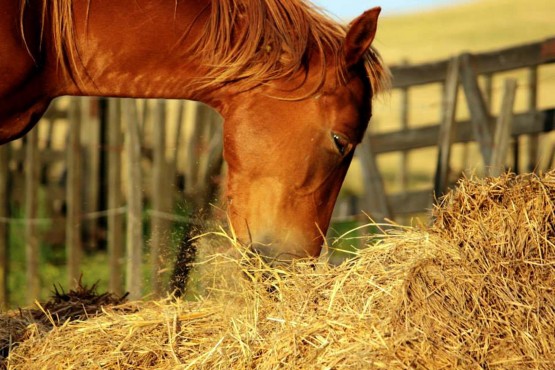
[293, 86]
[289, 143]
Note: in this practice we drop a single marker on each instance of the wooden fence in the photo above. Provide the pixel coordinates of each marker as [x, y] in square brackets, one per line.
[97, 182]
[494, 134]
[81, 182]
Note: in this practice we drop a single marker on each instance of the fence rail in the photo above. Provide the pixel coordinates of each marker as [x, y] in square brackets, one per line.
[522, 56]
[480, 127]
[416, 138]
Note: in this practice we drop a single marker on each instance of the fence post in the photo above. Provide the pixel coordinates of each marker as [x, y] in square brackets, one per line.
[479, 114]
[177, 139]
[503, 129]
[191, 145]
[4, 214]
[488, 91]
[403, 173]
[134, 243]
[405, 108]
[31, 206]
[73, 193]
[375, 199]
[449, 110]
[115, 218]
[161, 197]
[91, 145]
[533, 139]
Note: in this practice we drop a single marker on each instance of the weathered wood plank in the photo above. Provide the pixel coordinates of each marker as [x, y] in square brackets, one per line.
[422, 137]
[161, 196]
[374, 198]
[479, 113]
[92, 143]
[503, 129]
[177, 140]
[522, 56]
[533, 139]
[488, 90]
[411, 202]
[115, 219]
[32, 167]
[192, 113]
[445, 139]
[134, 245]
[4, 214]
[73, 194]
[405, 118]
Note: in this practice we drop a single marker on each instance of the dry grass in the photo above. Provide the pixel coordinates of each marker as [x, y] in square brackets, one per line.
[473, 290]
[79, 304]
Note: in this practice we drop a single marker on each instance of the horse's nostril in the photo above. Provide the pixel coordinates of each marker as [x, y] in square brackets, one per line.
[274, 252]
[263, 250]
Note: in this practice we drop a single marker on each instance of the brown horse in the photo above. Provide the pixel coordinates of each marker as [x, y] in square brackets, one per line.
[293, 86]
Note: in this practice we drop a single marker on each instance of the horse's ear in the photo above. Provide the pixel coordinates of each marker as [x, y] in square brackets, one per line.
[360, 35]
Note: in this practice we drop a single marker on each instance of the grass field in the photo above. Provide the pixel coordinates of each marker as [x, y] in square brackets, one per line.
[473, 26]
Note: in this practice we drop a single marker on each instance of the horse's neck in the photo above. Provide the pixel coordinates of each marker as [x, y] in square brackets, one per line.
[138, 49]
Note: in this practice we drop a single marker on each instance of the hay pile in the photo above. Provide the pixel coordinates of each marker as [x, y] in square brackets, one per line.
[80, 303]
[474, 290]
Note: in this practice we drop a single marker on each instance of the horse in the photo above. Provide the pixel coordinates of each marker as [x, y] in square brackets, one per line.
[294, 88]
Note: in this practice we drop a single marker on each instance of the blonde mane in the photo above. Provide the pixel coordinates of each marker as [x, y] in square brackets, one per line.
[252, 42]
[60, 15]
[246, 42]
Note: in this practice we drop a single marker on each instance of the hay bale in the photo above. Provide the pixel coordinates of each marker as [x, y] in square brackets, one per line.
[473, 290]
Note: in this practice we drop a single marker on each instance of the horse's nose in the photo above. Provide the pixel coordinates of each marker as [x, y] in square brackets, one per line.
[275, 251]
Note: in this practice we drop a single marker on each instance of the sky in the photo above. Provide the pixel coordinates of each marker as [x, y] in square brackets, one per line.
[348, 9]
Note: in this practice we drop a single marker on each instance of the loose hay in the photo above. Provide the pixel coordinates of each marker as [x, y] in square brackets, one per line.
[78, 304]
[474, 290]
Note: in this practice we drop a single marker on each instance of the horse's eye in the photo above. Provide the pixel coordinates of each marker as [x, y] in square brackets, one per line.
[341, 143]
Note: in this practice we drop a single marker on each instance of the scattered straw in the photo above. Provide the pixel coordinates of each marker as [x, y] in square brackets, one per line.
[472, 291]
[77, 304]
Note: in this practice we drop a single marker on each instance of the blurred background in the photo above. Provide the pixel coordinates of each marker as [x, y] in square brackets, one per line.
[472, 94]
[424, 37]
